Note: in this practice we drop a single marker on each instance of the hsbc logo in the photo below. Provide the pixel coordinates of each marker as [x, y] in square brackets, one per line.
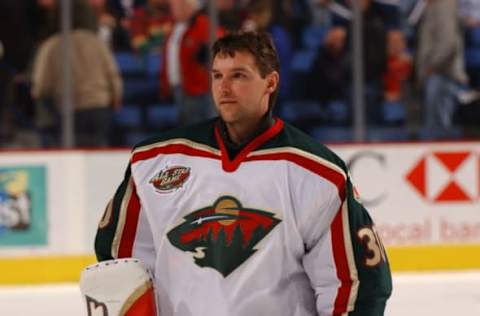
[442, 177]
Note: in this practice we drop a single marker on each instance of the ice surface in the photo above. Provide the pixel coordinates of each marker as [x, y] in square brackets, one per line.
[439, 294]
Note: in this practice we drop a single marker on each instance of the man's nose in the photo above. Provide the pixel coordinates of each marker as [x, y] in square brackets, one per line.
[225, 87]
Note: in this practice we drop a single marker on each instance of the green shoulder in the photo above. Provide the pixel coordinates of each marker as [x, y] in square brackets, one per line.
[293, 137]
[202, 133]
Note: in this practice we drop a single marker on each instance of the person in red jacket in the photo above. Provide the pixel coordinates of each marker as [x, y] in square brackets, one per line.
[185, 74]
[149, 26]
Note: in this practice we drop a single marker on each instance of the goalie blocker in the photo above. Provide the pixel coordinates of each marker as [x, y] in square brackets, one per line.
[120, 287]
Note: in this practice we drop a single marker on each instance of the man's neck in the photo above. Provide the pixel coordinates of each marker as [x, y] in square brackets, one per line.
[240, 134]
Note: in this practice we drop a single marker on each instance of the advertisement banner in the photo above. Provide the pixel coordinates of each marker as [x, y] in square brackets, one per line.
[423, 197]
[419, 194]
[23, 216]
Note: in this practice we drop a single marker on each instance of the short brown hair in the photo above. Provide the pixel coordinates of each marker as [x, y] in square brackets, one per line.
[260, 45]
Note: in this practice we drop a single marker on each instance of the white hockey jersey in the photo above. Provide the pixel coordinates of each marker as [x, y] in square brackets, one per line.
[278, 230]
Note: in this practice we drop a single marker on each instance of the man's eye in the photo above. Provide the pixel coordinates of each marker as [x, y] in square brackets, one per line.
[216, 76]
[238, 75]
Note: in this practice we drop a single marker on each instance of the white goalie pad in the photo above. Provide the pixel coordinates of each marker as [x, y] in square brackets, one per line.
[120, 287]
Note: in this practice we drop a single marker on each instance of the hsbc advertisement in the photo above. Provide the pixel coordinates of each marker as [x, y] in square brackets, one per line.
[419, 194]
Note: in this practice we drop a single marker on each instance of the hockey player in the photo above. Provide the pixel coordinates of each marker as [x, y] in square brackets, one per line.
[244, 214]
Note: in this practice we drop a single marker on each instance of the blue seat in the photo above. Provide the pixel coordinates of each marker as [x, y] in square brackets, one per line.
[387, 134]
[301, 110]
[332, 134]
[159, 116]
[394, 112]
[130, 64]
[337, 112]
[453, 133]
[140, 90]
[473, 37]
[153, 64]
[313, 36]
[129, 116]
[472, 57]
[303, 60]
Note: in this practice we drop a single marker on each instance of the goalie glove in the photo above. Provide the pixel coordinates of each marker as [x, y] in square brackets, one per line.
[120, 287]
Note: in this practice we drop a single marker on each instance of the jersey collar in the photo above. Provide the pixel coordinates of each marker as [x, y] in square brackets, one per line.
[232, 165]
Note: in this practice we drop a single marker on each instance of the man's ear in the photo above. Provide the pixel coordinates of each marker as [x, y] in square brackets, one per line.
[273, 79]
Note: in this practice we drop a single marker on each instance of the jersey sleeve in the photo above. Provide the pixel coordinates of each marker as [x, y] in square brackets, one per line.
[346, 263]
[124, 230]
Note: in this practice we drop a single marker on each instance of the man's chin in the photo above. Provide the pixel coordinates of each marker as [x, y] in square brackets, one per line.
[228, 118]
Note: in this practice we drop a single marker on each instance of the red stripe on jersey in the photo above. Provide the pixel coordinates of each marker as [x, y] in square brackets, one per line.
[172, 149]
[232, 165]
[341, 263]
[144, 305]
[130, 229]
[335, 177]
[338, 240]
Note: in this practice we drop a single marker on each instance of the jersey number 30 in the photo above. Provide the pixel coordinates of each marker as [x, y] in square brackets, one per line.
[375, 250]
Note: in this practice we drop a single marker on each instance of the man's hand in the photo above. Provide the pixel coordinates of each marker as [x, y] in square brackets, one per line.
[116, 105]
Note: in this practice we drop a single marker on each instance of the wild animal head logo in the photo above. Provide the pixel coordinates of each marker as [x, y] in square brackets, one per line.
[222, 236]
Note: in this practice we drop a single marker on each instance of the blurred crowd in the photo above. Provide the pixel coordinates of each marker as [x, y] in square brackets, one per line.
[141, 66]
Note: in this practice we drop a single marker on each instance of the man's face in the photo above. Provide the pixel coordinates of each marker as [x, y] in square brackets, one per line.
[49, 4]
[225, 4]
[240, 93]
[160, 4]
[181, 9]
[364, 4]
[335, 39]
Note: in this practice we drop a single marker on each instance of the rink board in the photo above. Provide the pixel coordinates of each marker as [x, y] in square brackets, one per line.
[30, 270]
[424, 199]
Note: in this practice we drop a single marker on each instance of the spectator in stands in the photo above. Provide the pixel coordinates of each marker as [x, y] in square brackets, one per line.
[230, 16]
[321, 13]
[301, 18]
[470, 12]
[329, 78]
[97, 86]
[469, 112]
[17, 41]
[260, 18]
[149, 26]
[6, 99]
[185, 73]
[374, 34]
[399, 68]
[440, 65]
[110, 27]
[125, 7]
[45, 20]
[388, 10]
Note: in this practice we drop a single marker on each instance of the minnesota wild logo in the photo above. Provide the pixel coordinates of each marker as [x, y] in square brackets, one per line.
[222, 236]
